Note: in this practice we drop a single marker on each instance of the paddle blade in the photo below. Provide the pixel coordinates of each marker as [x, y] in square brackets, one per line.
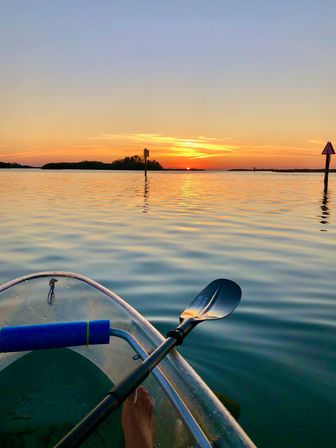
[215, 301]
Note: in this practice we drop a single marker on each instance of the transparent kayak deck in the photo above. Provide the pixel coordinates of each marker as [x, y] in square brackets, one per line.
[49, 391]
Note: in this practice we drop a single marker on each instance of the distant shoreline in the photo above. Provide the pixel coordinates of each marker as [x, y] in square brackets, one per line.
[6, 165]
[121, 166]
[129, 163]
[283, 170]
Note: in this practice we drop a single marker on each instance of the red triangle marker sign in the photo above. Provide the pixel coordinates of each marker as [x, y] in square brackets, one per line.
[328, 149]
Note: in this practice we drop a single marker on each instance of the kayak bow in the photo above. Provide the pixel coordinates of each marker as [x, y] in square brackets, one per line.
[83, 314]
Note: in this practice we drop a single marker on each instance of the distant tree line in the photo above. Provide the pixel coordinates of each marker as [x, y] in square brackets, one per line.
[128, 163]
[13, 165]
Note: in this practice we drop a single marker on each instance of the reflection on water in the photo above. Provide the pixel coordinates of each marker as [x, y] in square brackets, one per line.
[157, 242]
[146, 194]
[325, 209]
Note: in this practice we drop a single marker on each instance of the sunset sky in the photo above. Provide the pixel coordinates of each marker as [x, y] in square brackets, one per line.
[203, 84]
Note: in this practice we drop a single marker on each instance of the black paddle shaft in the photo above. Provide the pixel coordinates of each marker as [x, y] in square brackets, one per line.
[122, 390]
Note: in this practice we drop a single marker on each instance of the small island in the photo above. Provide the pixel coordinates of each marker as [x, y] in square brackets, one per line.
[128, 163]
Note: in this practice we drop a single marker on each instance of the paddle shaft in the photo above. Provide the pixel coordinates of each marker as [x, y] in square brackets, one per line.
[122, 390]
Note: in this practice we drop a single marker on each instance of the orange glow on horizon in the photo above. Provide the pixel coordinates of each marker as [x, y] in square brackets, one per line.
[193, 152]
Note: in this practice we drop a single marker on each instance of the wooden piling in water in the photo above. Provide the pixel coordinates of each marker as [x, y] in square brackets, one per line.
[146, 154]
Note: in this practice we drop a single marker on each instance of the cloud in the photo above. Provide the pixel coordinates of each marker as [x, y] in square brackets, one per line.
[191, 147]
[316, 142]
[203, 147]
[22, 154]
[206, 156]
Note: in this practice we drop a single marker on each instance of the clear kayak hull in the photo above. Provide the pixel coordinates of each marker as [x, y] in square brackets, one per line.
[57, 385]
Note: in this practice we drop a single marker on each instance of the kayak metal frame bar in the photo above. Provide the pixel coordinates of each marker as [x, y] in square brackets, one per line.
[173, 396]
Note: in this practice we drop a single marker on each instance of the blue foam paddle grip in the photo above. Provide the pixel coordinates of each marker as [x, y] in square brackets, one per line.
[54, 335]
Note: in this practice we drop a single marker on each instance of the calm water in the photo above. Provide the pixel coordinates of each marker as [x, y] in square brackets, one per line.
[157, 244]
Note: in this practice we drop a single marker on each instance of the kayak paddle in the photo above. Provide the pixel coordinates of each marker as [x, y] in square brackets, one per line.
[215, 301]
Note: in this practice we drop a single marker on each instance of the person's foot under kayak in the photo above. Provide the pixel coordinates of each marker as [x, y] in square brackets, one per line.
[137, 420]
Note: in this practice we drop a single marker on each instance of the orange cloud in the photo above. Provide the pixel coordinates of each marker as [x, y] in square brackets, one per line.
[188, 147]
